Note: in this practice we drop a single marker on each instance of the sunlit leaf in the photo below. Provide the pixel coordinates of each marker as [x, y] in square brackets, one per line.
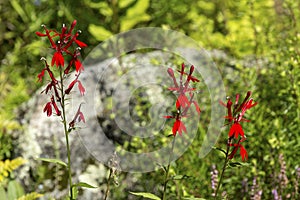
[75, 192]
[146, 195]
[99, 32]
[135, 15]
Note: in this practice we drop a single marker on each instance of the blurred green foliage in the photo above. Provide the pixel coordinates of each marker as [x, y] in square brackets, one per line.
[260, 37]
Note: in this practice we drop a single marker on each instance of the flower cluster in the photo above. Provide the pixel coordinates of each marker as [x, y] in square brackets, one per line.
[185, 98]
[235, 114]
[63, 45]
[214, 179]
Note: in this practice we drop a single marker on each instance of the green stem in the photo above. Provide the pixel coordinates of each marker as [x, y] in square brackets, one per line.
[108, 183]
[167, 171]
[165, 182]
[224, 168]
[66, 134]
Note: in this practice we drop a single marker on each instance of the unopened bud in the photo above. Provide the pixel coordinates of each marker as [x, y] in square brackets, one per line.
[171, 72]
[192, 69]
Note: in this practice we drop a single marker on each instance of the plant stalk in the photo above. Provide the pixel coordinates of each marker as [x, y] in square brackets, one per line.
[167, 171]
[224, 168]
[66, 135]
[108, 183]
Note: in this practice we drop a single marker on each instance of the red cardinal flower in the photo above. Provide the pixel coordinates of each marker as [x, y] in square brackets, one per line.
[41, 75]
[64, 41]
[75, 61]
[58, 113]
[236, 130]
[235, 114]
[77, 118]
[238, 146]
[80, 86]
[178, 125]
[184, 99]
[57, 59]
[80, 44]
[48, 109]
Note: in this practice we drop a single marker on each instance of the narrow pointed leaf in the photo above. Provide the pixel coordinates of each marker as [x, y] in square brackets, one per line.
[52, 160]
[237, 164]
[180, 177]
[83, 184]
[146, 195]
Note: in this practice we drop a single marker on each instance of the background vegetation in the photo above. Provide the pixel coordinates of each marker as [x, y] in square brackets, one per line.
[260, 38]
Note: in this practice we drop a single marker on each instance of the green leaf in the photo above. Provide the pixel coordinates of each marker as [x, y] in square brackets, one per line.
[220, 149]
[146, 195]
[99, 32]
[237, 164]
[125, 3]
[52, 160]
[180, 177]
[135, 15]
[75, 192]
[14, 190]
[30, 196]
[2, 193]
[83, 184]
[193, 198]
[19, 9]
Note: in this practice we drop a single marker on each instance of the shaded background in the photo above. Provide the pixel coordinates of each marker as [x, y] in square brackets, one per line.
[258, 44]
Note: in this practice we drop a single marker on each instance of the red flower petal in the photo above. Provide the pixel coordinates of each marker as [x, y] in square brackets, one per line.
[168, 117]
[81, 117]
[58, 59]
[67, 91]
[80, 44]
[48, 109]
[182, 101]
[78, 65]
[197, 107]
[41, 75]
[222, 103]
[181, 128]
[235, 130]
[81, 88]
[243, 153]
[40, 34]
[58, 113]
[175, 127]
